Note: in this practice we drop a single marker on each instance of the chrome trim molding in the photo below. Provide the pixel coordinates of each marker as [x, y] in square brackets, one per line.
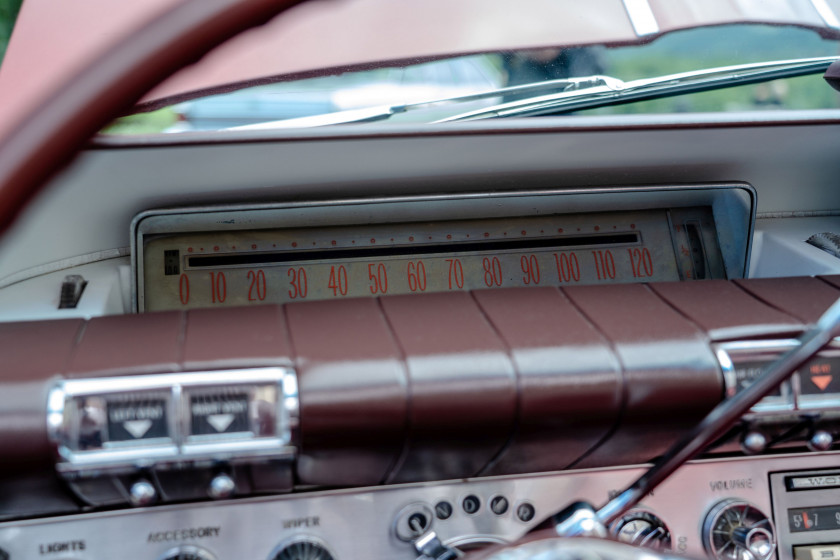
[358, 523]
[64, 419]
[826, 13]
[792, 398]
[642, 17]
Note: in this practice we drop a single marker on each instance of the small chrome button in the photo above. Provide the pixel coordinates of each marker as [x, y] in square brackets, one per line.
[142, 493]
[821, 440]
[753, 442]
[222, 486]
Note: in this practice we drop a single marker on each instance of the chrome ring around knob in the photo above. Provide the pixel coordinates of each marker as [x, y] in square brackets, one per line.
[642, 528]
[736, 530]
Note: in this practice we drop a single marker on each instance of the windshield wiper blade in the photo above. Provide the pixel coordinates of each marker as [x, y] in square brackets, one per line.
[576, 94]
[383, 112]
[616, 92]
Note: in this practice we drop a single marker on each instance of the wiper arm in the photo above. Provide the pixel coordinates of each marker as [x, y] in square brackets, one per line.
[383, 112]
[616, 92]
[577, 93]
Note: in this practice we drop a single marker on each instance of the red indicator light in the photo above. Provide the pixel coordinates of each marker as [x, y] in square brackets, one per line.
[294, 244]
[597, 228]
[448, 236]
[821, 381]
[253, 246]
[190, 250]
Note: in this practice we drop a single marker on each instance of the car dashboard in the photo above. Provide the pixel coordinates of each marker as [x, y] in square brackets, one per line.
[329, 343]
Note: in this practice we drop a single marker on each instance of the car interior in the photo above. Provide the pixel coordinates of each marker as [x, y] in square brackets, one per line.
[404, 340]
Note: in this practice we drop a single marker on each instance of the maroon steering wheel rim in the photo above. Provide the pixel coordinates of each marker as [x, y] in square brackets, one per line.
[48, 137]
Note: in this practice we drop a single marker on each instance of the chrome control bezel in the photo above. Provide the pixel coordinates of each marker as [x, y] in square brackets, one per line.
[180, 445]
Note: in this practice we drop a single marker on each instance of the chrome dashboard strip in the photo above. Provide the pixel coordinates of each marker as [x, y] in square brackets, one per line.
[791, 399]
[358, 523]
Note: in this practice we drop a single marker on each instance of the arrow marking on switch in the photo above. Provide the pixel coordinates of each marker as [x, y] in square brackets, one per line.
[137, 428]
[220, 422]
[821, 381]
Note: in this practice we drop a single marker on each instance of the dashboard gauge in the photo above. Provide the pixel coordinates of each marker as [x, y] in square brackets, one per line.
[252, 257]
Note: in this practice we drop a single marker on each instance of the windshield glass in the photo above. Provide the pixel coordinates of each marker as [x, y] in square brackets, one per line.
[681, 51]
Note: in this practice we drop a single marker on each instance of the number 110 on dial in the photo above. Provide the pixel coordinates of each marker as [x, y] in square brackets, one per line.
[363, 277]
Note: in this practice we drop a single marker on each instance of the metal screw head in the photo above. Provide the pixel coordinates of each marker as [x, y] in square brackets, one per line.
[142, 493]
[222, 486]
[753, 442]
[820, 440]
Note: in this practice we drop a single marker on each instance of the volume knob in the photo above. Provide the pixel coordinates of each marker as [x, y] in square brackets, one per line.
[737, 530]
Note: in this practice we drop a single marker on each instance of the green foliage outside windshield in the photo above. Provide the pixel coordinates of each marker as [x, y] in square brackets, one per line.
[8, 14]
[723, 46]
